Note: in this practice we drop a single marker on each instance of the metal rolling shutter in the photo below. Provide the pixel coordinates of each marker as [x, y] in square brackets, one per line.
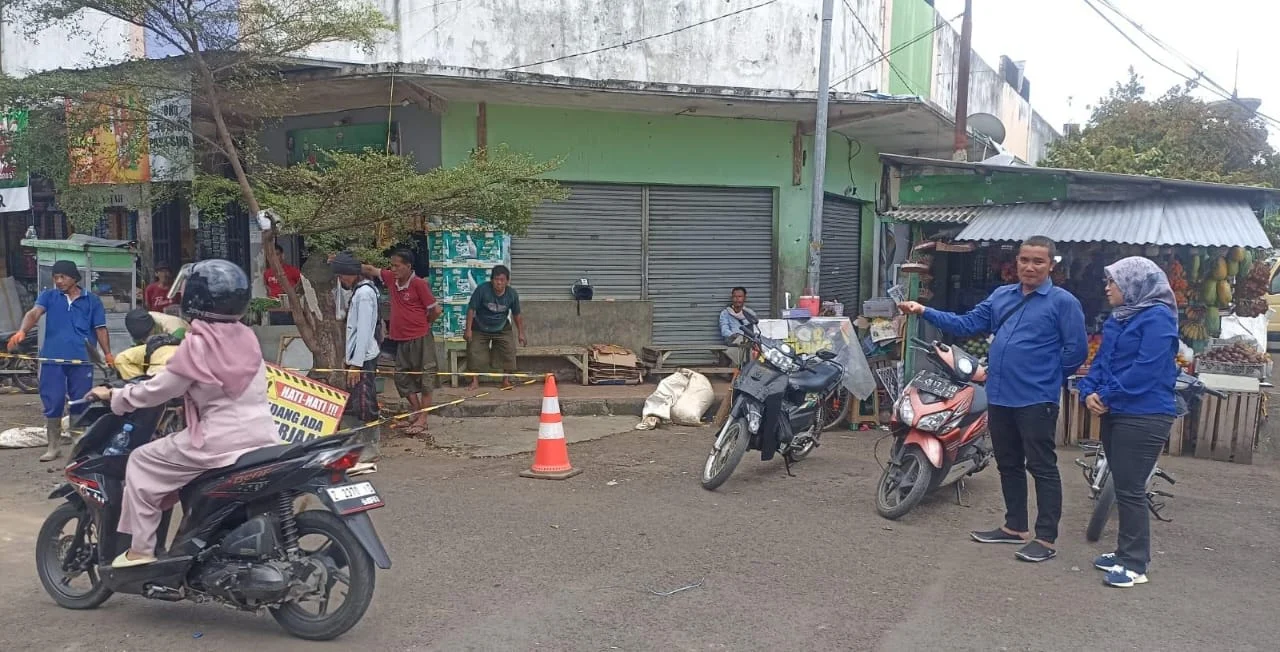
[595, 233]
[702, 243]
[841, 252]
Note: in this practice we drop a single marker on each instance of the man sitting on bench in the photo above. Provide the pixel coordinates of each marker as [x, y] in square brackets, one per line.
[732, 319]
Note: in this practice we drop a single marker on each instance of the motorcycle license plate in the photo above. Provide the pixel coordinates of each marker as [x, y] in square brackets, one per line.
[931, 383]
[352, 498]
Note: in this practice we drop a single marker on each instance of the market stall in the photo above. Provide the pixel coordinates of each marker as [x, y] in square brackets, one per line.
[1220, 292]
[1208, 238]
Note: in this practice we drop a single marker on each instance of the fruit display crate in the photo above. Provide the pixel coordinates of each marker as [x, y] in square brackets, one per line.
[1261, 371]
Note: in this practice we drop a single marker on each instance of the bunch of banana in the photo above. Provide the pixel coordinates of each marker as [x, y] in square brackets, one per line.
[1194, 330]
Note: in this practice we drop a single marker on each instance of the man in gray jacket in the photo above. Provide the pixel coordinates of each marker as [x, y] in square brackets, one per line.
[360, 356]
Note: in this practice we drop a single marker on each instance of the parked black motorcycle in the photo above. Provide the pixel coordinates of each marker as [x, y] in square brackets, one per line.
[240, 542]
[21, 373]
[778, 405]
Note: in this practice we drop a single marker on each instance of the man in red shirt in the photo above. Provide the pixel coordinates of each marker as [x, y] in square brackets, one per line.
[291, 274]
[156, 295]
[413, 309]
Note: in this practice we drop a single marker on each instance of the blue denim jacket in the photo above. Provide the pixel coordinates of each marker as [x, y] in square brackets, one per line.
[1135, 369]
[1035, 349]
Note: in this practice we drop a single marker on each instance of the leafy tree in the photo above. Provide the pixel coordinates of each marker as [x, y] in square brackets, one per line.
[1175, 136]
[230, 59]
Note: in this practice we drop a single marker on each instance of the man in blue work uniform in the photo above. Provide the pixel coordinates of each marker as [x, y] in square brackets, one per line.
[1039, 341]
[74, 319]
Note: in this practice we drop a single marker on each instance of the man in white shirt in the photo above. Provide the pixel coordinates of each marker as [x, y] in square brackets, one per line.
[360, 355]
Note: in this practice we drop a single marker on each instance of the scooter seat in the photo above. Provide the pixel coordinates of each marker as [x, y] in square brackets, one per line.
[254, 458]
[979, 400]
[815, 379]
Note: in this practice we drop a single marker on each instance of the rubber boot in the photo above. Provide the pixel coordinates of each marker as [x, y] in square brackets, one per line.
[52, 430]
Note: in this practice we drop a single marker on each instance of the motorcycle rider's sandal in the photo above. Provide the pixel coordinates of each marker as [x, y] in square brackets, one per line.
[998, 535]
[1035, 552]
[123, 561]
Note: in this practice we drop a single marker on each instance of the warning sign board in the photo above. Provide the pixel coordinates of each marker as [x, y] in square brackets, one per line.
[302, 408]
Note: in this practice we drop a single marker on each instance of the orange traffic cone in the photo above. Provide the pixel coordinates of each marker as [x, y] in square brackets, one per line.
[551, 457]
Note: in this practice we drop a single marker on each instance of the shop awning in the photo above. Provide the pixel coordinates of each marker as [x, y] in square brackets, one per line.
[1190, 221]
[943, 214]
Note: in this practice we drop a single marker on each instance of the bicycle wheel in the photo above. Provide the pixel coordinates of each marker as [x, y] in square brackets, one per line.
[1103, 505]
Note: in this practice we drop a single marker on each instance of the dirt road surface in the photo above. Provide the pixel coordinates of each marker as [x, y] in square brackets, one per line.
[485, 560]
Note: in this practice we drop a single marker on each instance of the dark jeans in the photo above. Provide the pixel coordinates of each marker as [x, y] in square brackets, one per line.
[1023, 442]
[1133, 444]
[362, 399]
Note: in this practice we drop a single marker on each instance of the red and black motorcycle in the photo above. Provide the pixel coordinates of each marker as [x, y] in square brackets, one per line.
[240, 542]
[939, 427]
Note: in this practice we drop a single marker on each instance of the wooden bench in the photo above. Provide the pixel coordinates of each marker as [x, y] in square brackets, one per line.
[655, 358]
[577, 355]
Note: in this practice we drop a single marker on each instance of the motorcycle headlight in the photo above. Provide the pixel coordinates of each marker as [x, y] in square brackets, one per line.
[753, 419]
[906, 413]
[935, 421]
[780, 360]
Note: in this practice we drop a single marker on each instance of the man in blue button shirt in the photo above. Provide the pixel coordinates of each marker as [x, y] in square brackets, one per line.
[74, 320]
[1039, 341]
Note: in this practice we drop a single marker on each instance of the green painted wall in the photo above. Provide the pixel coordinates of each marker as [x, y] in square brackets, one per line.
[975, 190]
[911, 18]
[667, 149]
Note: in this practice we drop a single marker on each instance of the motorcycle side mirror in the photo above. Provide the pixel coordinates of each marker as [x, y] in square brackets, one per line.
[752, 319]
[827, 355]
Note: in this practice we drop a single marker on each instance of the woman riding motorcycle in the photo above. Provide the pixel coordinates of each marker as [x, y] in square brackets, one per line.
[219, 371]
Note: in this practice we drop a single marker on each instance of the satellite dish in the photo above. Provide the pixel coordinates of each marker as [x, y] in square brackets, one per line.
[1237, 104]
[988, 125]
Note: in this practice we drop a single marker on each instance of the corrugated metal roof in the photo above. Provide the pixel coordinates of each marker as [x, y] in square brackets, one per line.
[1193, 221]
[1083, 175]
[951, 214]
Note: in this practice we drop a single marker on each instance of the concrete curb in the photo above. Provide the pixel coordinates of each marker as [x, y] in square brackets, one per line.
[532, 407]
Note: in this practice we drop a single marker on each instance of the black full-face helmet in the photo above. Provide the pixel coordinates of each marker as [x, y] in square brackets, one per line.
[216, 290]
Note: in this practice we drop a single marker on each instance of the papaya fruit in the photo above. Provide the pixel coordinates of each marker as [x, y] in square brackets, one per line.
[1246, 263]
[1224, 294]
[1235, 254]
[1213, 321]
[1219, 269]
[1233, 268]
[1195, 268]
[1209, 292]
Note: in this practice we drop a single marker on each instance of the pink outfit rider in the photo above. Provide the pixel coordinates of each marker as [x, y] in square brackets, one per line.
[219, 372]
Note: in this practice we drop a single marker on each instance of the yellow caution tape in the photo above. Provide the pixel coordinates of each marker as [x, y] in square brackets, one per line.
[37, 359]
[428, 410]
[392, 372]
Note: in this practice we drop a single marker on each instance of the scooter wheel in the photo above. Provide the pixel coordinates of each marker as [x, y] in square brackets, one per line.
[721, 463]
[347, 562]
[903, 485]
[54, 546]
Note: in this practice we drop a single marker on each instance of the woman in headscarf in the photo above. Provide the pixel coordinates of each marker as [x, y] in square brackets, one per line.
[1131, 387]
[219, 372]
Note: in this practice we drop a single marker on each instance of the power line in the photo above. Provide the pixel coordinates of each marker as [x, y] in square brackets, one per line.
[880, 48]
[1164, 46]
[885, 55]
[1212, 87]
[645, 38]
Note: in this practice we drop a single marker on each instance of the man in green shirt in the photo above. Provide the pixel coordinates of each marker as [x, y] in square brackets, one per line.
[490, 340]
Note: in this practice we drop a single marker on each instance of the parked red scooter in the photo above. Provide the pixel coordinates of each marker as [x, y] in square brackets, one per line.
[939, 427]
